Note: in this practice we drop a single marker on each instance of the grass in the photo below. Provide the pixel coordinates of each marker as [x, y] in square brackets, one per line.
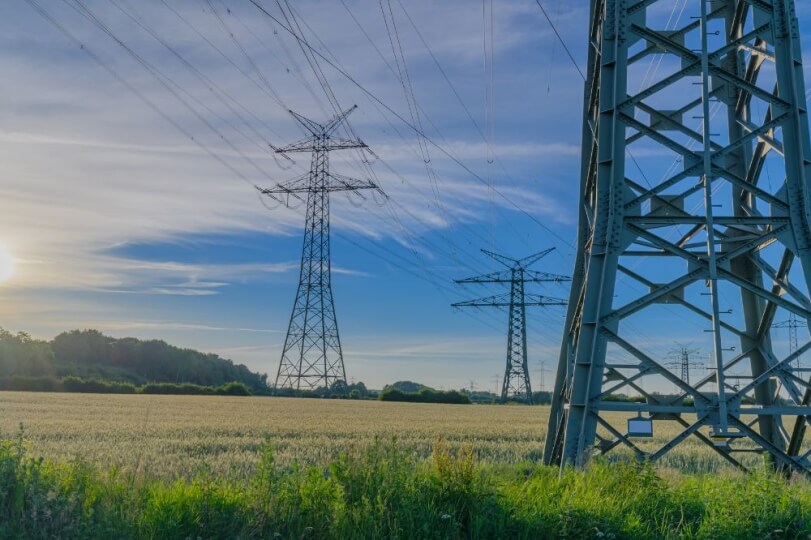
[136, 466]
[384, 491]
[172, 437]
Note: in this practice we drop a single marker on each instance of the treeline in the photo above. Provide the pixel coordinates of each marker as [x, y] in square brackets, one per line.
[90, 355]
[424, 395]
[22, 383]
[415, 392]
[338, 390]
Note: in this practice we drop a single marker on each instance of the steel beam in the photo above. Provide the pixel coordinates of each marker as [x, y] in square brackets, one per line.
[710, 241]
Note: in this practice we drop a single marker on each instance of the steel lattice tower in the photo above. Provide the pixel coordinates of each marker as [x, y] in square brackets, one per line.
[683, 364]
[793, 324]
[312, 355]
[516, 375]
[721, 240]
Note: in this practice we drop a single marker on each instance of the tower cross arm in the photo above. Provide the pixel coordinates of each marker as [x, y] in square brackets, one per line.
[538, 300]
[283, 191]
[299, 184]
[303, 145]
[502, 276]
[500, 300]
[537, 277]
[313, 127]
[503, 300]
[796, 323]
[325, 143]
[506, 276]
[339, 182]
[321, 135]
[532, 259]
[518, 263]
[506, 261]
[337, 120]
[341, 143]
[325, 130]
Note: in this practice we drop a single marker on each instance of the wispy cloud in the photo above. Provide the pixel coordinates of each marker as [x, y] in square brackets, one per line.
[105, 325]
[88, 168]
[79, 186]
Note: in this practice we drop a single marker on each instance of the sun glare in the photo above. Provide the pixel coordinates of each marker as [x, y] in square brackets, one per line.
[6, 264]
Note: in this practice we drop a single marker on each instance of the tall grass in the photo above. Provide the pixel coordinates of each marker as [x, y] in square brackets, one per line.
[383, 491]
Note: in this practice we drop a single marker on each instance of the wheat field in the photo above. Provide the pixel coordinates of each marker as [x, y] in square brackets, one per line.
[184, 436]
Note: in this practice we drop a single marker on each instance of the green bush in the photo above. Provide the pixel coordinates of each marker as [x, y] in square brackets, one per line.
[172, 388]
[424, 395]
[23, 383]
[233, 389]
[98, 386]
[95, 386]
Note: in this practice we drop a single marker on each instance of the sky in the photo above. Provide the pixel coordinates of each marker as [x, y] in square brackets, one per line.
[132, 135]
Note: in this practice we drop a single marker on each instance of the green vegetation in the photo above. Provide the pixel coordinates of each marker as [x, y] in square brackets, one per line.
[382, 491]
[408, 387]
[424, 395]
[90, 355]
[339, 389]
[161, 466]
[94, 386]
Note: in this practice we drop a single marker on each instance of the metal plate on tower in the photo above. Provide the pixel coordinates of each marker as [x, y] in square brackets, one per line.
[640, 427]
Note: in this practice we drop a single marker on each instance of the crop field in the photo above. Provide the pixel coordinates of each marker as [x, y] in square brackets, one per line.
[170, 436]
[181, 436]
[154, 466]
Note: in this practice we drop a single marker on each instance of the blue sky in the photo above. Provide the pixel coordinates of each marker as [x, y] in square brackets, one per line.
[118, 220]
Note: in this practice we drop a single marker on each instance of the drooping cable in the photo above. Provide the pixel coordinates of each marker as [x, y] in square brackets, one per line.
[433, 143]
[563, 43]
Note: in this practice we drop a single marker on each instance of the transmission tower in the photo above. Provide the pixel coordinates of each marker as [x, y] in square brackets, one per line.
[516, 375]
[723, 94]
[312, 355]
[683, 363]
[793, 324]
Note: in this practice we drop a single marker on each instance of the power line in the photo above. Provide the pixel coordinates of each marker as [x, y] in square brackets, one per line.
[216, 90]
[423, 155]
[157, 109]
[563, 43]
[363, 89]
[149, 103]
[162, 79]
[314, 64]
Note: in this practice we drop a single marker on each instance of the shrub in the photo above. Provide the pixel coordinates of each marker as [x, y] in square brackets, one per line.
[177, 389]
[425, 395]
[23, 383]
[95, 386]
[234, 389]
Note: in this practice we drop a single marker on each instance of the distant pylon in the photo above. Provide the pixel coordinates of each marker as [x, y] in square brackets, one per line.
[683, 363]
[793, 324]
[516, 375]
[312, 356]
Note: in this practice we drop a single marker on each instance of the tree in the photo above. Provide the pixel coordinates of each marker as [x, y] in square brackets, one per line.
[89, 354]
[408, 387]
